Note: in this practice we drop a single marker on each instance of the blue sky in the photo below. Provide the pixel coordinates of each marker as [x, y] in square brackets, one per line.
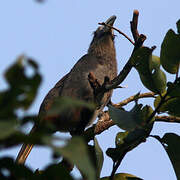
[57, 33]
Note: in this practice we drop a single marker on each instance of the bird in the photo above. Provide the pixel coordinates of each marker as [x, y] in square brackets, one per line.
[100, 60]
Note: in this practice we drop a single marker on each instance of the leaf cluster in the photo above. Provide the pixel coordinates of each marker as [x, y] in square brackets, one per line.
[139, 121]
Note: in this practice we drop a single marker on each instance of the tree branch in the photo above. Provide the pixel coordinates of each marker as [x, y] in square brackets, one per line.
[169, 119]
[134, 24]
[119, 31]
[132, 98]
[104, 123]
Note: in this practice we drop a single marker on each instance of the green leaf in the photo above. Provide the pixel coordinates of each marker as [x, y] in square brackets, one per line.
[114, 153]
[14, 139]
[15, 71]
[172, 146]
[120, 138]
[171, 104]
[138, 57]
[174, 89]
[22, 85]
[15, 171]
[76, 152]
[146, 113]
[129, 120]
[33, 64]
[155, 82]
[154, 62]
[99, 157]
[170, 52]
[158, 100]
[122, 176]
[127, 141]
[7, 128]
[124, 119]
[55, 171]
[148, 67]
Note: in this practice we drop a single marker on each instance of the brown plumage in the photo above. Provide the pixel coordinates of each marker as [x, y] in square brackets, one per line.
[101, 61]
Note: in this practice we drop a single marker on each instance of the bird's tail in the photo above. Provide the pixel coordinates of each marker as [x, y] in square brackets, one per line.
[25, 150]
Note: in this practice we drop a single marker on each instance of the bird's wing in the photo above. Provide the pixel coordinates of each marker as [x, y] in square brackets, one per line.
[54, 93]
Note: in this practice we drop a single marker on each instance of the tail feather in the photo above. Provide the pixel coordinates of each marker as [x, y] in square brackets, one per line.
[25, 150]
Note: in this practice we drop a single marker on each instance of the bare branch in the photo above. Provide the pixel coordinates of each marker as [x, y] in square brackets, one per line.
[120, 32]
[104, 123]
[170, 119]
[132, 98]
[134, 24]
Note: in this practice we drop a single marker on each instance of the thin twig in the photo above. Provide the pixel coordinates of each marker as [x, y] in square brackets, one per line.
[120, 32]
[132, 98]
[170, 119]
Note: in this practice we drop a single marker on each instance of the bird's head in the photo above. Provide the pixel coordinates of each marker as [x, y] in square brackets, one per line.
[104, 30]
[103, 36]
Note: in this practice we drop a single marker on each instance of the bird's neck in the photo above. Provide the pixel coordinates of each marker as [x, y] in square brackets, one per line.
[102, 48]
